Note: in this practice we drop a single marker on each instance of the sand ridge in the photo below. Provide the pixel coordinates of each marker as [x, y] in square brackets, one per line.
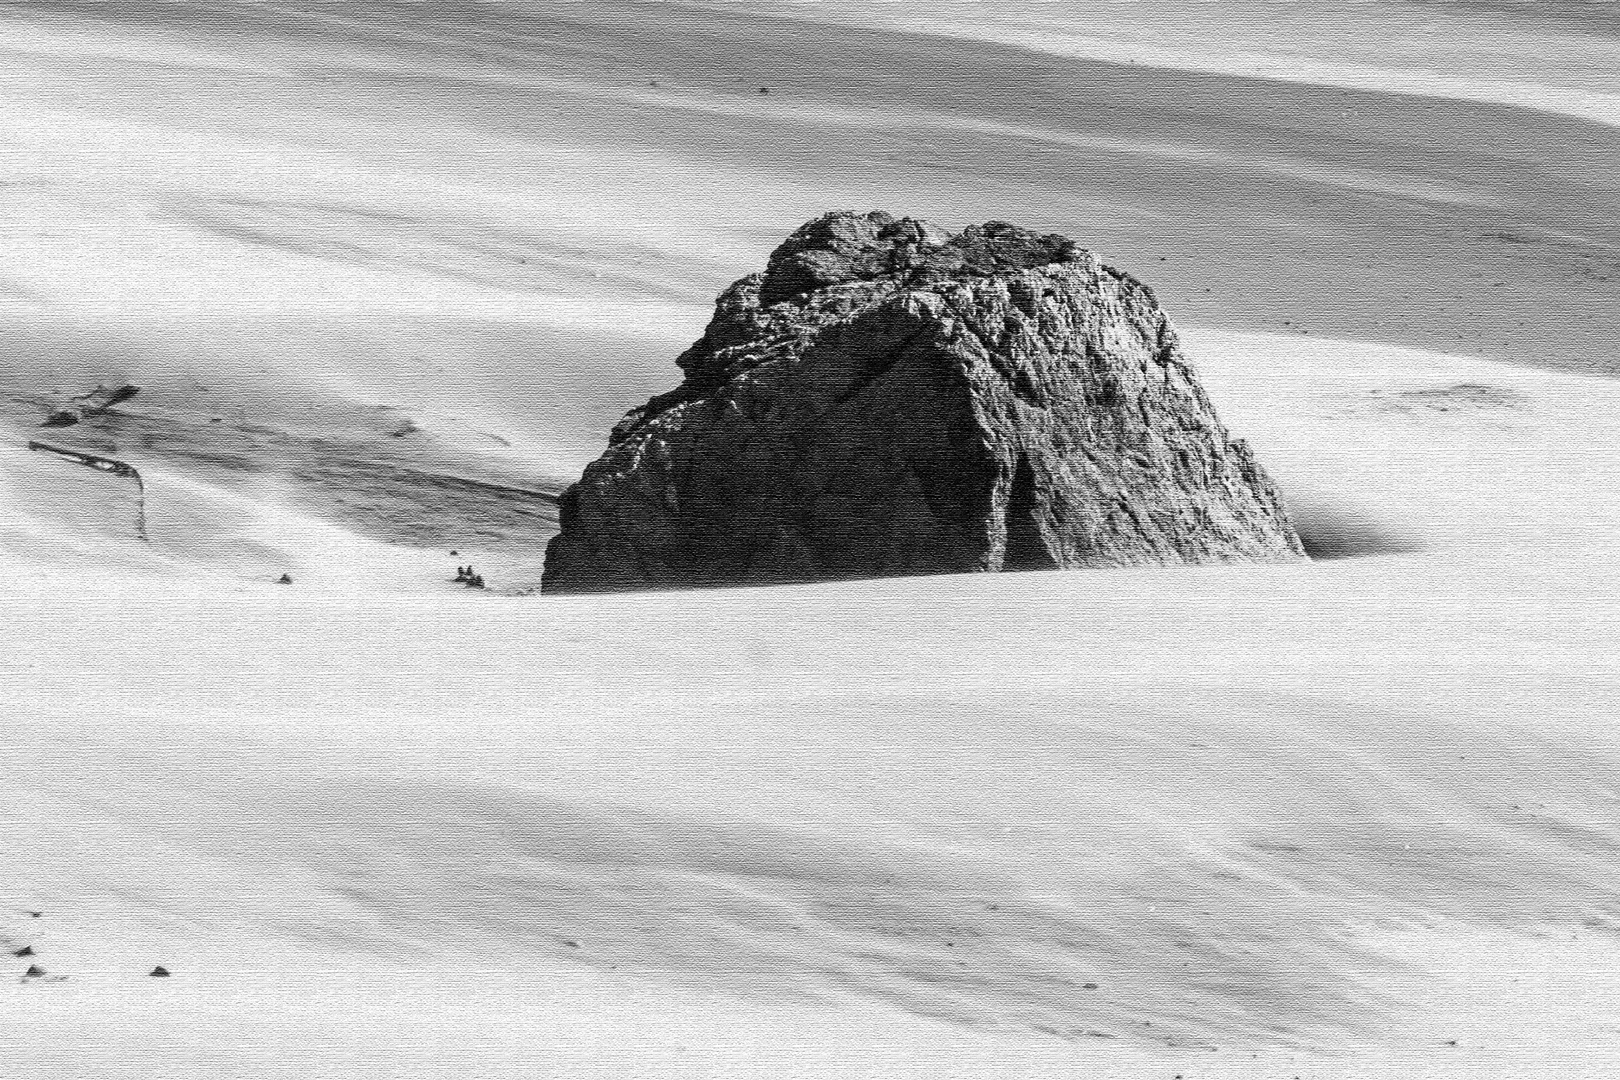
[1353, 818]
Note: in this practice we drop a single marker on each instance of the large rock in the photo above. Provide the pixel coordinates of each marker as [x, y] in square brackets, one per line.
[888, 398]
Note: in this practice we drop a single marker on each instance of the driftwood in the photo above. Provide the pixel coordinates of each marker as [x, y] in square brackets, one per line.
[95, 403]
[107, 465]
[104, 397]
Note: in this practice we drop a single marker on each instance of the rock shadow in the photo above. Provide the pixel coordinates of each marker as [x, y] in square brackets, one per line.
[1331, 532]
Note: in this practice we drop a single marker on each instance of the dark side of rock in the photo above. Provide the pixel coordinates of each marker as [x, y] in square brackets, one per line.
[889, 398]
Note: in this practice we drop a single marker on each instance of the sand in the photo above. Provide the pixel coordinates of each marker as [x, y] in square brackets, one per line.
[1353, 818]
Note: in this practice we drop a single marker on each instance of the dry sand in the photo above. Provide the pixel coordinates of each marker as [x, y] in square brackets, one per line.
[1350, 819]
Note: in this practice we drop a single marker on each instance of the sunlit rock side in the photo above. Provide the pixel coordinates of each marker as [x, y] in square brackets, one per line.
[889, 398]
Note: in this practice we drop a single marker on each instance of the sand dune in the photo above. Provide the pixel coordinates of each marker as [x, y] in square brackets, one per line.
[360, 201]
[387, 272]
[548, 815]
[1546, 56]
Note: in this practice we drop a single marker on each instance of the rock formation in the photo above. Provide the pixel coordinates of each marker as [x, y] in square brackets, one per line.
[889, 398]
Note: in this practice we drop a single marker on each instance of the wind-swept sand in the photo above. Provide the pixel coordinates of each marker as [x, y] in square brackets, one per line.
[1349, 819]
[1337, 816]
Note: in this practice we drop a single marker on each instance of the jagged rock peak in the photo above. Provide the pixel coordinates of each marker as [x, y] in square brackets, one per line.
[843, 247]
[892, 398]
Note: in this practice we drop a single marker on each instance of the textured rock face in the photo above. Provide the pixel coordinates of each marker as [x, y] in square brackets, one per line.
[888, 398]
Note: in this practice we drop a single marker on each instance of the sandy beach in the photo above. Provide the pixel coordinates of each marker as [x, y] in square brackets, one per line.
[387, 273]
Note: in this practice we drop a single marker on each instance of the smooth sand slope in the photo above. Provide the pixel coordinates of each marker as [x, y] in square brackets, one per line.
[1336, 816]
[1349, 819]
[460, 209]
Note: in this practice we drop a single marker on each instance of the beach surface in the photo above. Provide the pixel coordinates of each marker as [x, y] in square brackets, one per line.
[388, 272]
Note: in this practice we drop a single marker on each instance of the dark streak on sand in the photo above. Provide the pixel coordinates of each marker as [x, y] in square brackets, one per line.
[401, 492]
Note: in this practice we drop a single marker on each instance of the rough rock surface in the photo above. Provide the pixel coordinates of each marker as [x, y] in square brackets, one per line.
[889, 398]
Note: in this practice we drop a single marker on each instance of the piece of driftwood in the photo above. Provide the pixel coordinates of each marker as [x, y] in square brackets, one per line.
[107, 465]
[95, 403]
[104, 397]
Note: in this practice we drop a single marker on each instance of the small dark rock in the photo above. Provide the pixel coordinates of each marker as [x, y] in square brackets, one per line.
[61, 418]
[160, 972]
[26, 950]
[34, 971]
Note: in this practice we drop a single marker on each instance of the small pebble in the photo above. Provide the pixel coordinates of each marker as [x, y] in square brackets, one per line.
[160, 972]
